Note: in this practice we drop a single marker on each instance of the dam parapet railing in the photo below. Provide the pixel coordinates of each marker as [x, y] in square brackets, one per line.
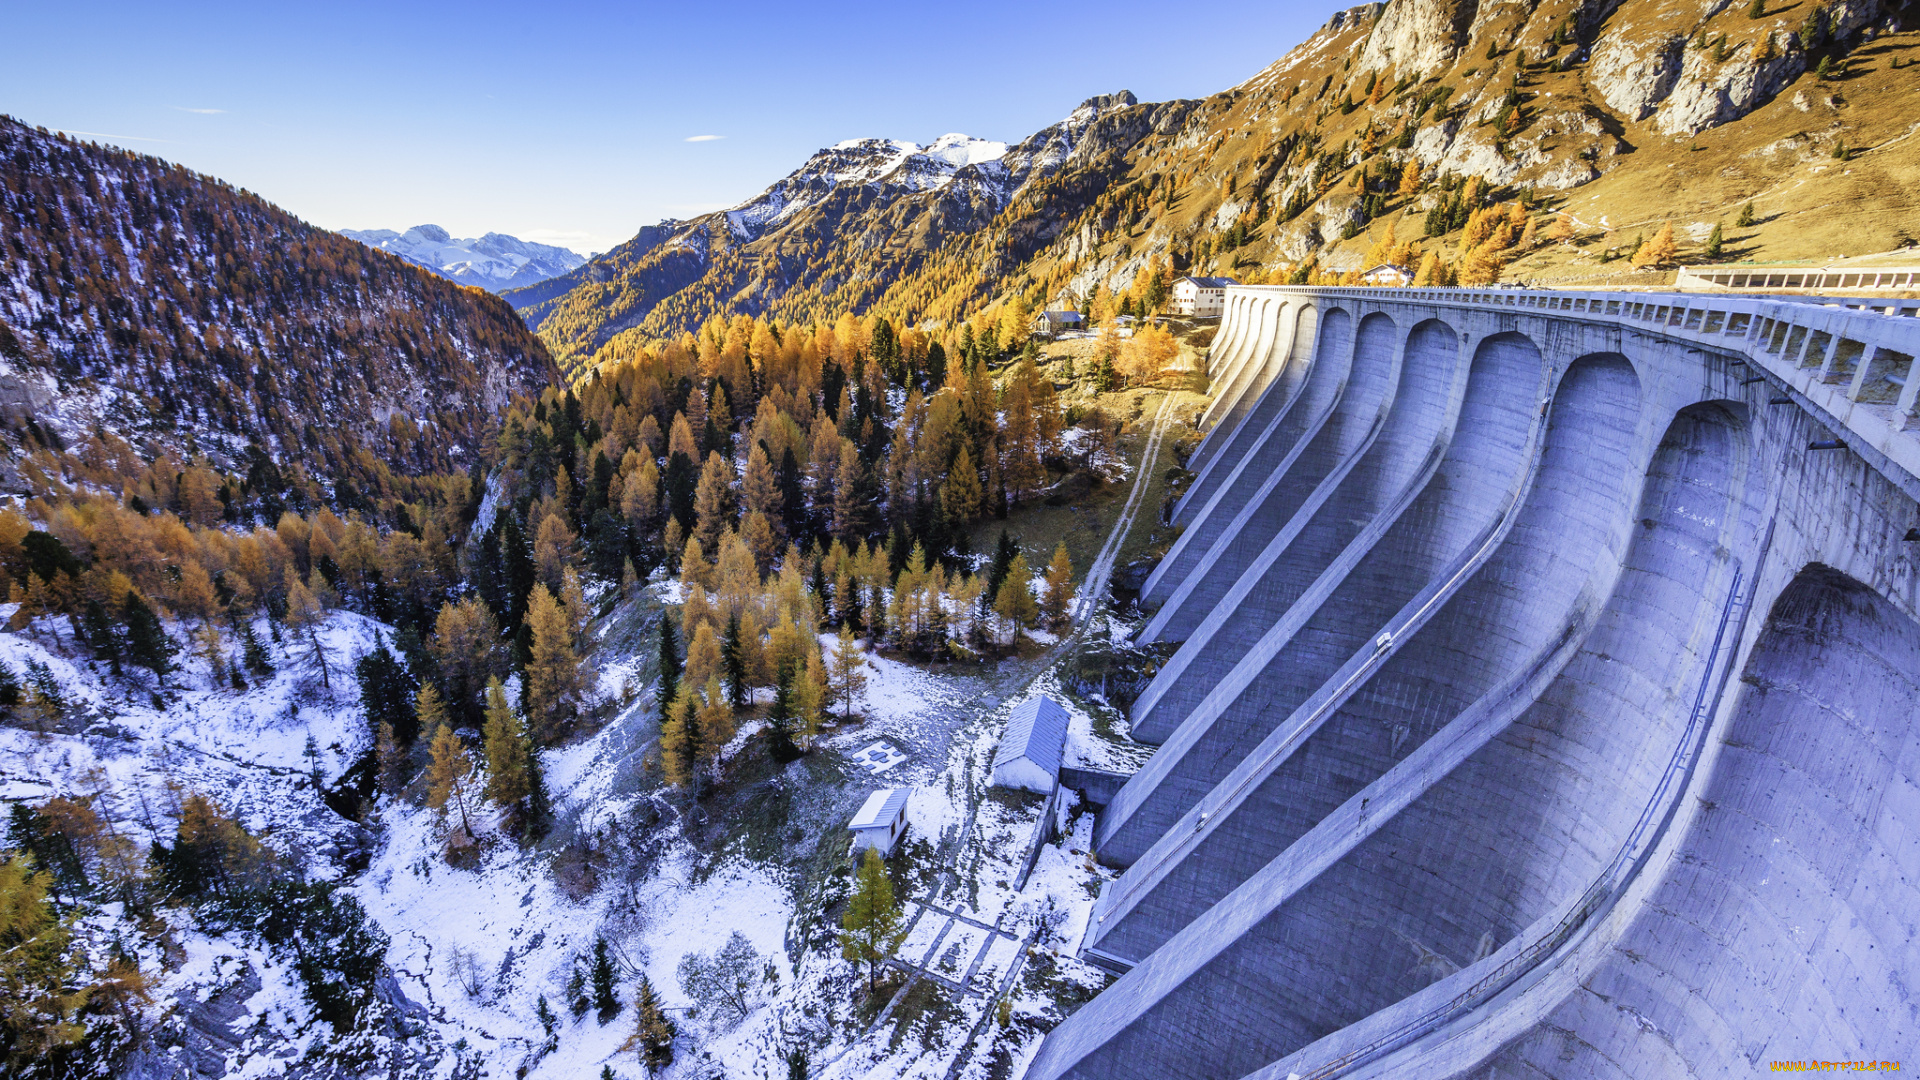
[1849, 360]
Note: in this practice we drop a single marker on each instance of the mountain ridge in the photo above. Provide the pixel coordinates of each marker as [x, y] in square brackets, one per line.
[150, 307]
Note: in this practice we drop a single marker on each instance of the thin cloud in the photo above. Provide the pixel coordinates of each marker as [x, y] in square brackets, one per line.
[202, 112]
[103, 135]
[705, 138]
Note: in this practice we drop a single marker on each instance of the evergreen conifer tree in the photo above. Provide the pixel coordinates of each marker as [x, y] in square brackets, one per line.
[669, 660]
[147, 642]
[605, 1001]
[733, 662]
[387, 693]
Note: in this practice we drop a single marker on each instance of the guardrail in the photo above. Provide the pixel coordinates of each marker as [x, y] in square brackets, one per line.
[1850, 359]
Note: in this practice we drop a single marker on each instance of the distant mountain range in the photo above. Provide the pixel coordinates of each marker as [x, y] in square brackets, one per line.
[495, 262]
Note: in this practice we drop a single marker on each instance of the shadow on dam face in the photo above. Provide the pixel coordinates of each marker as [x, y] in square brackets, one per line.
[1785, 928]
[1236, 703]
[1353, 421]
[1268, 380]
[1402, 456]
[1326, 378]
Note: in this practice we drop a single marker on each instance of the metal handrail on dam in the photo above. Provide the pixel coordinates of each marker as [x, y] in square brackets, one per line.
[1849, 358]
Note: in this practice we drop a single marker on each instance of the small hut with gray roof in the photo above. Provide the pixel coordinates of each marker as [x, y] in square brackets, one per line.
[1030, 752]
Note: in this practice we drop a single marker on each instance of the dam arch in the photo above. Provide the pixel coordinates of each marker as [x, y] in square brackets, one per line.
[1816, 770]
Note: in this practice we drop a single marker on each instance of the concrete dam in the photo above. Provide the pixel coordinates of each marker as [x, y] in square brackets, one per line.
[1546, 700]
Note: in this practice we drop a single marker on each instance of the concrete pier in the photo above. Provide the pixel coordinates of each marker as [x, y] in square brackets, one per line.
[1563, 718]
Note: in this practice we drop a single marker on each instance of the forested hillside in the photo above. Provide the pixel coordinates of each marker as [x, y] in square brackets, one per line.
[147, 310]
[1392, 135]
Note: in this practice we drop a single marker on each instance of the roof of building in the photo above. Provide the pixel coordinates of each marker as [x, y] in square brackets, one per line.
[1037, 732]
[880, 808]
[1395, 267]
[1211, 282]
[1061, 316]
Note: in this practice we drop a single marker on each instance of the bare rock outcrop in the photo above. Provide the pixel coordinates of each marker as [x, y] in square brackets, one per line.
[1417, 36]
[1708, 94]
[1634, 68]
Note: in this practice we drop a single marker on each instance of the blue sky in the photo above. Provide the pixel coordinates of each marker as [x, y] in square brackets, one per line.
[569, 122]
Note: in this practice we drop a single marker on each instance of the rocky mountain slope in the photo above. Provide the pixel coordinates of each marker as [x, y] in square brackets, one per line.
[835, 235]
[1624, 114]
[494, 262]
[145, 302]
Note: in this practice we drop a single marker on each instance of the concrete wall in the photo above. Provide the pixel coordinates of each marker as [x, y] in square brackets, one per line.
[1553, 567]
[1270, 453]
[1239, 705]
[1787, 929]
[1540, 829]
[1289, 499]
[1285, 368]
[1396, 463]
[1260, 350]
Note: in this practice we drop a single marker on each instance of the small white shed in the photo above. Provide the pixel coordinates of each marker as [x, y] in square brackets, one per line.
[881, 822]
[1030, 751]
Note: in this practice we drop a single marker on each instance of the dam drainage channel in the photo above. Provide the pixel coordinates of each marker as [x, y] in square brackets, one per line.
[1099, 572]
[1620, 872]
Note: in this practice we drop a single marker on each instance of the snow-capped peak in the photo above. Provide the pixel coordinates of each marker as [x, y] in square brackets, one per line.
[886, 163]
[494, 261]
[965, 149]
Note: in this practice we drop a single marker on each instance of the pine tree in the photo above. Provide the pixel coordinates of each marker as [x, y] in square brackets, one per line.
[605, 1001]
[1014, 602]
[845, 677]
[509, 750]
[544, 1013]
[1746, 218]
[1714, 242]
[733, 663]
[253, 652]
[387, 693]
[101, 635]
[669, 660]
[871, 929]
[577, 1000]
[553, 672]
[147, 642]
[1059, 587]
[653, 1031]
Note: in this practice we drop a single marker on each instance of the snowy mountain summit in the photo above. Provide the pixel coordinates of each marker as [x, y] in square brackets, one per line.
[890, 166]
[496, 262]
